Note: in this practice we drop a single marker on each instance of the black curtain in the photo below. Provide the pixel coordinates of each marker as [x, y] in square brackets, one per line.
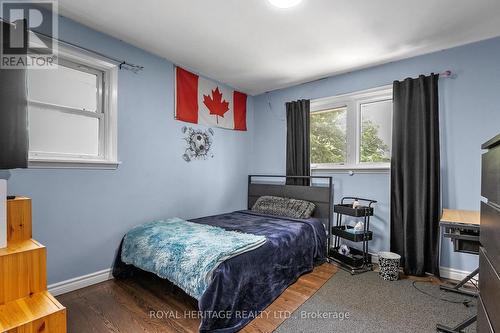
[298, 160]
[415, 175]
[13, 116]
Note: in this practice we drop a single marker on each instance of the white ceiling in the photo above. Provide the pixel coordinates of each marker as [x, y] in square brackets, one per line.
[255, 47]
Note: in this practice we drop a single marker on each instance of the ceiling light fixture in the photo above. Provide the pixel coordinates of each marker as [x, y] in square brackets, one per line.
[284, 3]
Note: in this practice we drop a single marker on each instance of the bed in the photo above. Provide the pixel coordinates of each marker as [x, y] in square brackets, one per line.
[244, 285]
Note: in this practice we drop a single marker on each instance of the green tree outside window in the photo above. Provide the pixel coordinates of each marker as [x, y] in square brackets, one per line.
[329, 140]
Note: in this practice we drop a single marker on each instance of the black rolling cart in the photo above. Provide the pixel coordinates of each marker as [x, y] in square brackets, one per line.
[357, 261]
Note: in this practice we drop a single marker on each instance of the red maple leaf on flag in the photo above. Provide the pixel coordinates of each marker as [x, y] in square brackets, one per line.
[215, 103]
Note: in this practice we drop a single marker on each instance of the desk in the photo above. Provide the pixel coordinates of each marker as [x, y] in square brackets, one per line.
[462, 227]
[466, 217]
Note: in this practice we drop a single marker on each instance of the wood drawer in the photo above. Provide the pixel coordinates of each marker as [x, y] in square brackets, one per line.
[38, 313]
[18, 219]
[483, 322]
[489, 235]
[489, 288]
[490, 175]
[52, 323]
[22, 270]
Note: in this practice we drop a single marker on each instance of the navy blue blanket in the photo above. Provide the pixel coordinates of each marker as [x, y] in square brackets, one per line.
[246, 284]
[251, 281]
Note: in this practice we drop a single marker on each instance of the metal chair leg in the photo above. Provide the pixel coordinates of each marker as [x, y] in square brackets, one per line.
[457, 288]
[457, 329]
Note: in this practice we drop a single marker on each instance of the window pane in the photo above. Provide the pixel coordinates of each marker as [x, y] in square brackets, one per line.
[63, 86]
[376, 128]
[328, 136]
[53, 131]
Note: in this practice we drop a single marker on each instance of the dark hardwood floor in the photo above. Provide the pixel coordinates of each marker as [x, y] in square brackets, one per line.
[126, 306]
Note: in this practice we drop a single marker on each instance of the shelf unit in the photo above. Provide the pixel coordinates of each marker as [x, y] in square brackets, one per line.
[357, 261]
[25, 304]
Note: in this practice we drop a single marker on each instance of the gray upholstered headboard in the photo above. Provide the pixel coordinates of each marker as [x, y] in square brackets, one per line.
[321, 193]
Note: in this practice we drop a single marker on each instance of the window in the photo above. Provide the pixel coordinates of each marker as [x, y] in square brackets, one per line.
[328, 136]
[352, 131]
[72, 112]
[375, 138]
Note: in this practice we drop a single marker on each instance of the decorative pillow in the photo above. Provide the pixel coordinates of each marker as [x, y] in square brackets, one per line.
[294, 208]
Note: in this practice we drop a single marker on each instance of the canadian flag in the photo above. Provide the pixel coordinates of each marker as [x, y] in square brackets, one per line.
[206, 102]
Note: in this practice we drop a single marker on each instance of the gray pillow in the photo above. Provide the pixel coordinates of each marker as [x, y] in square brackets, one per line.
[294, 208]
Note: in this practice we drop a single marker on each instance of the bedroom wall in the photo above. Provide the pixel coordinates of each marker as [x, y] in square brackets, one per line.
[469, 111]
[81, 215]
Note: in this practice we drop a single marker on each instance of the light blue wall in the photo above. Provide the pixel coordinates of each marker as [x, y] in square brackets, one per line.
[81, 215]
[470, 114]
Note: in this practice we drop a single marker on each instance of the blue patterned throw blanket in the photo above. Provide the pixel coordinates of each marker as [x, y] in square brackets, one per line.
[183, 252]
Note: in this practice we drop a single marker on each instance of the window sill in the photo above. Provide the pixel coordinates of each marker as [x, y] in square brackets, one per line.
[351, 169]
[40, 163]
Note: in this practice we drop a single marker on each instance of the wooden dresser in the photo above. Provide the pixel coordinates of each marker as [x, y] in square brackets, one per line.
[25, 304]
[489, 252]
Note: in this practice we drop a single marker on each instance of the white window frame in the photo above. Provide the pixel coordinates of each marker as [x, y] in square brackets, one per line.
[106, 112]
[352, 102]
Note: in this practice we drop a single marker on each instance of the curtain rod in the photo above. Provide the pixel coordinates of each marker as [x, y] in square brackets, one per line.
[446, 74]
[122, 64]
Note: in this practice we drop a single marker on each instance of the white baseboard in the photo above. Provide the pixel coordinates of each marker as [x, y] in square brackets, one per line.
[452, 273]
[79, 282]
